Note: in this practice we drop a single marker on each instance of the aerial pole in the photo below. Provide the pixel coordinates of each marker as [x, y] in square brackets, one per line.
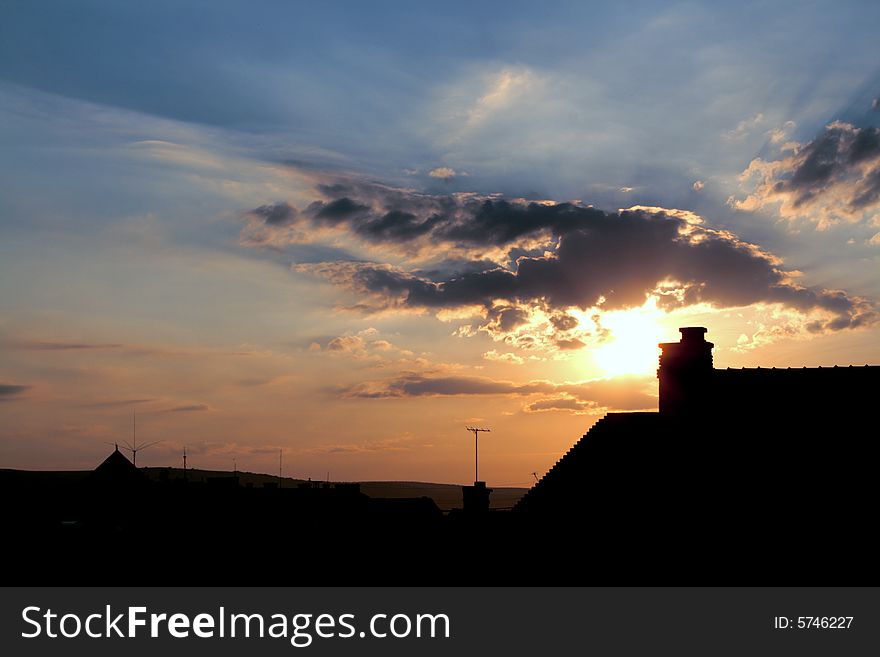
[184, 462]
[133, 447]
[477, 450]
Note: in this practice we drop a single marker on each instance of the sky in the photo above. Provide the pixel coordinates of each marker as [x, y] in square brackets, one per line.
[343, 231]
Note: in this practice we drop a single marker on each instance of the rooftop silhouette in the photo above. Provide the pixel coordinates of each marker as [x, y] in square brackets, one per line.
[752, 464]
[740, 473]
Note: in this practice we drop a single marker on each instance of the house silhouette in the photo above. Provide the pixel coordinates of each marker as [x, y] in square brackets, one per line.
[750, 462]
[116, 472]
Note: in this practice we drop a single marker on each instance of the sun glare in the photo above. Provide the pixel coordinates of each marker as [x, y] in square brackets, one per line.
[632, 346]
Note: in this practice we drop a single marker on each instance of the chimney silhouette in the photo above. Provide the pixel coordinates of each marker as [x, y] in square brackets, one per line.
[685, 373]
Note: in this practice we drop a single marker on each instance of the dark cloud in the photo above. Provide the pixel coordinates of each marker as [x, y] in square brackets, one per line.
[382, 214]
[338, 210]
[420, 385]
[621, 393]
[276, 214]
[615, 260]
[835, 175]
[11, 391]
[510, 256]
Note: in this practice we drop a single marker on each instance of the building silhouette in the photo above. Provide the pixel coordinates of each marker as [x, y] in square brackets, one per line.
[743, 471]
[741, 476]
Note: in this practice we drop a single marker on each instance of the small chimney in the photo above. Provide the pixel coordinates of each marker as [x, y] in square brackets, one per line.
[476, 498]
[685, 373]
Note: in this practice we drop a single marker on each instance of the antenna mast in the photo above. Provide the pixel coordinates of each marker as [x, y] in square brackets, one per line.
[133, 447]
[477, 450]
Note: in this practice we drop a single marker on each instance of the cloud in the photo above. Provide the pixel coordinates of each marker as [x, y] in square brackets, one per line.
[516, 263]
[410, 384]
[558, 404]
[443, 173]
[835, 177]
[591, 259]
[12, 391]
[112, 403]
[346, 344]
[276, 214]
[45, 345]
[745, 127]
[621, 393]
[398, 444]
[780, 133]
[504, 358]
[189, 408]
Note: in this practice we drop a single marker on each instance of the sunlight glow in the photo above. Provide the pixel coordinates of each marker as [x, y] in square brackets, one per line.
[632, 347]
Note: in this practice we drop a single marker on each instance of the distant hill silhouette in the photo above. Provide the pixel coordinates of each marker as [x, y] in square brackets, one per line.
[446, 496]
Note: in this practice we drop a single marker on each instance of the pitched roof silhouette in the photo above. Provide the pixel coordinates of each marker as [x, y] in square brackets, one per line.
[778, 429]
[115, 471]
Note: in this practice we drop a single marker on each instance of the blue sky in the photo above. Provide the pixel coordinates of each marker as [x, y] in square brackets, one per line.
[139, 141]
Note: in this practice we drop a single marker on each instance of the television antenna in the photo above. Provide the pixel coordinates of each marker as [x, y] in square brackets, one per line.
[133, 447]
[477, 450]
[535, 475]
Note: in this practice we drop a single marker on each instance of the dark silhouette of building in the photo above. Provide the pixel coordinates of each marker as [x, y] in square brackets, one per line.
[475, 499]
[116, 473]
[691, 387]
[762, 470]
[742, 476]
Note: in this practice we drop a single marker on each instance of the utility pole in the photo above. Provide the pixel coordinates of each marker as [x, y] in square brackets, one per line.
[184, 462]
[477, 450]
[279, 468]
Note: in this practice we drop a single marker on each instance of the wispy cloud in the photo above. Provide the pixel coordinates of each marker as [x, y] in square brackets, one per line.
[745, 127]
[48, 345]
[112, 403]
[12, 391]
[622, 393]
[188, 408]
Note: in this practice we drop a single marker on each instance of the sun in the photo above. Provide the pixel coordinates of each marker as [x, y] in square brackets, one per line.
[632, 346]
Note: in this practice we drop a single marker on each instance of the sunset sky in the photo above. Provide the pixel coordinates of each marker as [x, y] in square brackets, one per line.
[346, 230]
